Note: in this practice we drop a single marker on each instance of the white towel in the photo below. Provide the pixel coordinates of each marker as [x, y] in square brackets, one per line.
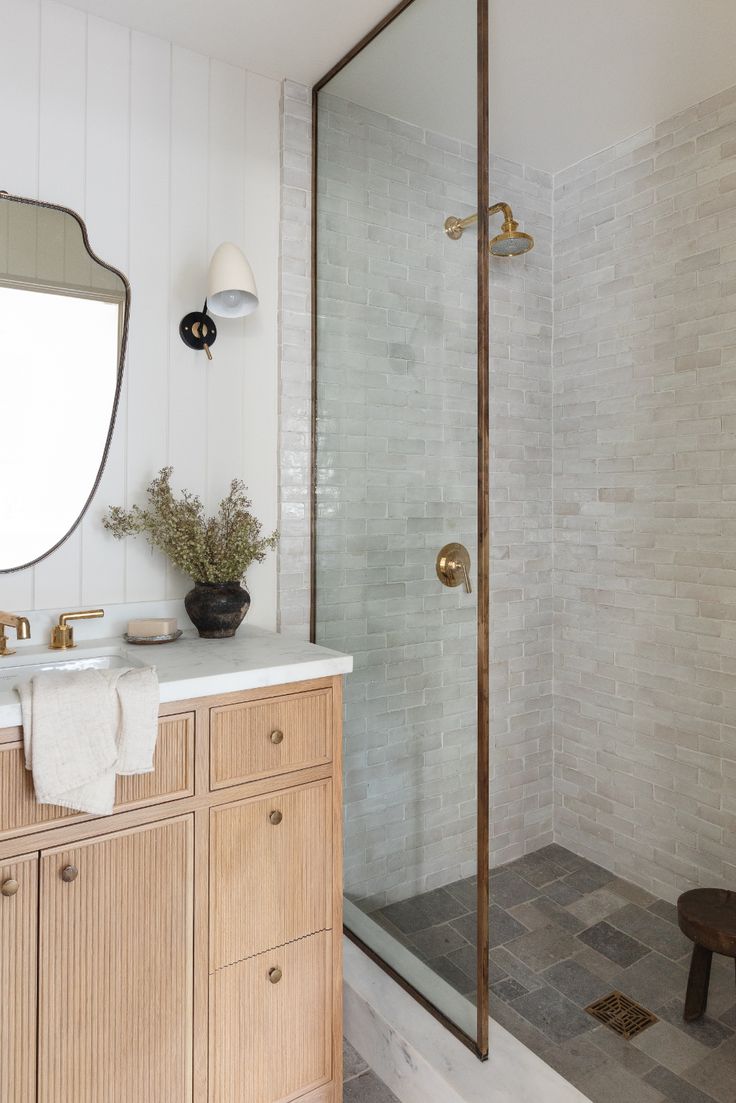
[83, 728]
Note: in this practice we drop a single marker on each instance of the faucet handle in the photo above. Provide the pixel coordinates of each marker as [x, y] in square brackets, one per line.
[62, 635]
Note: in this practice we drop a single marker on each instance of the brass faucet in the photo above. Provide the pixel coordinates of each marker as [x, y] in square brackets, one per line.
[62, 636]
[22, 631]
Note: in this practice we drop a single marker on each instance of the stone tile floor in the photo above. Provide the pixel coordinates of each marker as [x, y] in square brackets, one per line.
[361, 1085]
[565, 932]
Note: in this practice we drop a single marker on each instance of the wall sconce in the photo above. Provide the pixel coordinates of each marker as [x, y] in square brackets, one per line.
[231, 293]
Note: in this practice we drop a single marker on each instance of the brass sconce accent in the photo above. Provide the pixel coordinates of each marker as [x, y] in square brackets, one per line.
[511, 242]
[453, 566]
[62, 635]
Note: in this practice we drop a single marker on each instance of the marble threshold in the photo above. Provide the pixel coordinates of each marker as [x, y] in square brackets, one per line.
[192, 667]
[422, 1062]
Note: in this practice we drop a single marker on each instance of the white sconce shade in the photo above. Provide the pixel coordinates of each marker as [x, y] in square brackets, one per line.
[231, 289]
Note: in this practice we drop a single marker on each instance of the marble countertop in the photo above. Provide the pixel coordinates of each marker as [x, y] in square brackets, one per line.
[192, 667]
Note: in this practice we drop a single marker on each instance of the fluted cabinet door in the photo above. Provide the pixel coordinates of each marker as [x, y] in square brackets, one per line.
[18, 958]
[115, 1001]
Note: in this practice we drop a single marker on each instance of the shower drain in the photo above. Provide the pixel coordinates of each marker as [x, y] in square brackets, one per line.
[623, 1015]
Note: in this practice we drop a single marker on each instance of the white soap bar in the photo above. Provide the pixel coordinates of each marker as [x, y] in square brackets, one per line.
[152, 626]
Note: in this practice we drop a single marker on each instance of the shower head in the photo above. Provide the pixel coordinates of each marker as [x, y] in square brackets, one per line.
[511, 242]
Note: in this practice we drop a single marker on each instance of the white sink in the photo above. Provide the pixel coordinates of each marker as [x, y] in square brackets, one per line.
[19, 668]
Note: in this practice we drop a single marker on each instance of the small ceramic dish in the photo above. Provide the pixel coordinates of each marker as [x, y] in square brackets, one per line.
[169, 638]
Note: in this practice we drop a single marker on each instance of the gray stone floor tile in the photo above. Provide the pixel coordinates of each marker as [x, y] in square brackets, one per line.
[544, 947]
[708, 1031]
[367, 1089]
[674, 1088]
[353, 1063]
[466, 891]
[610, 942]
[589, 878]
[632, 893]
[509, 989]
[543, 911]
[597, 964]
[621, 1051]
[728, 1018]
[503, 927]
[510, 889]
[454, 976]
[614, 1084]
[538, 871]
[552, 1013]
[562, 857]
[426, 910]
[574, 1060]
[576, 982]
[595, 906]
[507, 1015]
[500, 958]
[665, 910]
[437, 941]
[653, 981]
[669, 1047]
[562, 893]
[716, 1073]
[653, 931]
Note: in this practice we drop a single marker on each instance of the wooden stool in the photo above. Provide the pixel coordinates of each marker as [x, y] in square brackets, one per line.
[708, 917]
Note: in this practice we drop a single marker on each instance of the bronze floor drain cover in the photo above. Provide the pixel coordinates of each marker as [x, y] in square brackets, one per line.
[623, 1015]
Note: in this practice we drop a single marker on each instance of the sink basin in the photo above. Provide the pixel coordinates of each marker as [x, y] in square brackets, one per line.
[21, 667]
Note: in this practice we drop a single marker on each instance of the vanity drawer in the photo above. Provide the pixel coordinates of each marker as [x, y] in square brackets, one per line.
[270, 1039]
[172, 778]
[261, 738]
[270, 871]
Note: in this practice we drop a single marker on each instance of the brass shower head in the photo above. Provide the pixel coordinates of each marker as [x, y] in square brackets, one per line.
[511, 242]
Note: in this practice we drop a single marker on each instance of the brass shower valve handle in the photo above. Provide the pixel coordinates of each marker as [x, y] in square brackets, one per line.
[62, 635]
[453, 566]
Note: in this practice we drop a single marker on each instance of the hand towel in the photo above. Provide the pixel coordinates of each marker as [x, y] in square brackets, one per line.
[79, 727]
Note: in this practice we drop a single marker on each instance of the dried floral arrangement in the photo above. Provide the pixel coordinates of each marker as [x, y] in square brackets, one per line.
[208, 549]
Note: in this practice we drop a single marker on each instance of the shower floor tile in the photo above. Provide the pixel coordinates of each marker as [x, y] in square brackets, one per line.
[565, 932]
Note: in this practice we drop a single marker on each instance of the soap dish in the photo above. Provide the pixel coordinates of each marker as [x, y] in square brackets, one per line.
[169, 638]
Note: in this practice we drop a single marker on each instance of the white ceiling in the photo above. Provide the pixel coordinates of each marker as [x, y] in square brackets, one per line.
[568, 77]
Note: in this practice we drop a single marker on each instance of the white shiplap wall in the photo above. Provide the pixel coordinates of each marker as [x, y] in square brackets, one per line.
[164, 153]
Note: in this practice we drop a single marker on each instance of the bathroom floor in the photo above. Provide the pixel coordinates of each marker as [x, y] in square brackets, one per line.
[361, 1085]
[564, 933]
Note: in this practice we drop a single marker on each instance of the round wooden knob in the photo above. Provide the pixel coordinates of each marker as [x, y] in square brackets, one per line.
[9, 887]
[277, 737]
[275, 975]
[276, 817]
[69, 873]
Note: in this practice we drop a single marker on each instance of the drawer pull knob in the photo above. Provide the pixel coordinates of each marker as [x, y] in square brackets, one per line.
[9, 887]
[276, 817]
[275, 975]
[69, 874]
[276, 737]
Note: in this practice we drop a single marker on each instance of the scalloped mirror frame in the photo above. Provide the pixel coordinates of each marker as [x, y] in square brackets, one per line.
[9, 197]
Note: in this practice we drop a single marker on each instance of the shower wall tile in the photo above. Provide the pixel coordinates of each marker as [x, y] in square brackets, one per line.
[645, 504]
[397, 479]
[295, 359]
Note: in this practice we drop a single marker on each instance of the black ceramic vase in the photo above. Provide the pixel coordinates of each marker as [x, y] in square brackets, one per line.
[216, 609]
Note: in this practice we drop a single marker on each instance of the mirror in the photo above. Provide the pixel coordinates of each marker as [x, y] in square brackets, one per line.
[63, 324]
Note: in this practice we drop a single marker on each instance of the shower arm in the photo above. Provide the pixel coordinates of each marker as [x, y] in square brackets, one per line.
[454, 226]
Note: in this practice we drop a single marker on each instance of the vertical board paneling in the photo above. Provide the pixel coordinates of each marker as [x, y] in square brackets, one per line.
[148, 350]
[260, 370]
[165, 154]
[108, 188]
[189, 260]
[61, 174]
[19, 65]
[226, 223]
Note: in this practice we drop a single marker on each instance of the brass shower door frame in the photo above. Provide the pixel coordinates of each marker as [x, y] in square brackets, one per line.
[479, 1043]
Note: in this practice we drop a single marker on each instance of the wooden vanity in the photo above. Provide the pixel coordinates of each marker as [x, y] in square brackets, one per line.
[186, 949]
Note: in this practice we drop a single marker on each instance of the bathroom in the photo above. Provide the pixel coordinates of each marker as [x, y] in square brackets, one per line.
[448, 289]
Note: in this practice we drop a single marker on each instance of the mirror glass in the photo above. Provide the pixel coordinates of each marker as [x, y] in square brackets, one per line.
[63, 318]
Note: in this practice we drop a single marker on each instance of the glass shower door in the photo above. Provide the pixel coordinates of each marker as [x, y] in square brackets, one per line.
[399, 410]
